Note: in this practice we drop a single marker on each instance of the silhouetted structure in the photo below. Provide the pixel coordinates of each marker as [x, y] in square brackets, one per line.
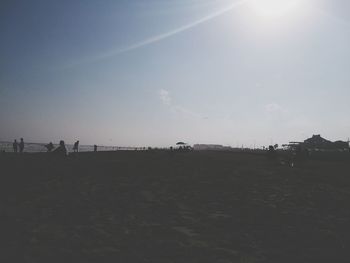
[182, 146]
[271, 149]
[61, 150]
[211, 147]
[76, 147]
[49, 147]
[316, 142]
[15, 146]
[21, 146]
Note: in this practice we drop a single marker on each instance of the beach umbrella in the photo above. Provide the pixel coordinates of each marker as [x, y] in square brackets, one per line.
[180, 143]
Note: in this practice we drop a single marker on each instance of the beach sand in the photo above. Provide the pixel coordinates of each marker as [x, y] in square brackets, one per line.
[162, 206]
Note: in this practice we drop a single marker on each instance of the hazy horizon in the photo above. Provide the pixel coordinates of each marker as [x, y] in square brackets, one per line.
[131, 73]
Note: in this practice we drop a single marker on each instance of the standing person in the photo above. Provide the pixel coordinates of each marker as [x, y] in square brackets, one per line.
[76, 147]
[21, 146]
[95, 148]
[61, 150]
[15, 146]
[49, 147]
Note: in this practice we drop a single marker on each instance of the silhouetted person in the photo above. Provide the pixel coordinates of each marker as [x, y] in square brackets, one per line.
[49, 147]
[61, 150]
[21, 146]
[76, 147]
[15, 146]
[95, 148]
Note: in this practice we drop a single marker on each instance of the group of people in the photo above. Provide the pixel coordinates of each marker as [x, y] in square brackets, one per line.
[18, 146]
[59, 150]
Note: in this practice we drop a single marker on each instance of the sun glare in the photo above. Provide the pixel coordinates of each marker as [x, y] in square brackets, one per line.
[274, 8]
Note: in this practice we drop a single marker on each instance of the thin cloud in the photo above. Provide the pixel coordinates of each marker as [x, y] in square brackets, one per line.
[185, 112]
[273, 107]
[181, 29]
[157, 38]
[166, 99]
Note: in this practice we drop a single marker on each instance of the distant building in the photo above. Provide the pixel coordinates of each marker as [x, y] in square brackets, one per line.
[316, 142]
[215, 147]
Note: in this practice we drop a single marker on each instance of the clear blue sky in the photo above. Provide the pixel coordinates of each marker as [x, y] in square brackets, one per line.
[139, 73]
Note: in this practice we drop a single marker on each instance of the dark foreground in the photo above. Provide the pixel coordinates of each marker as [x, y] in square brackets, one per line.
[173, 207]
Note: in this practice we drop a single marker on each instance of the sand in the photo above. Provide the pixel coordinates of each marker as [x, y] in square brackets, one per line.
[158, 206]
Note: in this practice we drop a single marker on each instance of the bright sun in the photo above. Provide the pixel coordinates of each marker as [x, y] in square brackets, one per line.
[274, 8]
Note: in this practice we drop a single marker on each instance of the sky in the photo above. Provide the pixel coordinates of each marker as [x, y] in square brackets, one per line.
[155, 72]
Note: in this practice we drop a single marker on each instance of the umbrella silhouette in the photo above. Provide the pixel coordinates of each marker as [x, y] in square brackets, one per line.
[180, 143]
